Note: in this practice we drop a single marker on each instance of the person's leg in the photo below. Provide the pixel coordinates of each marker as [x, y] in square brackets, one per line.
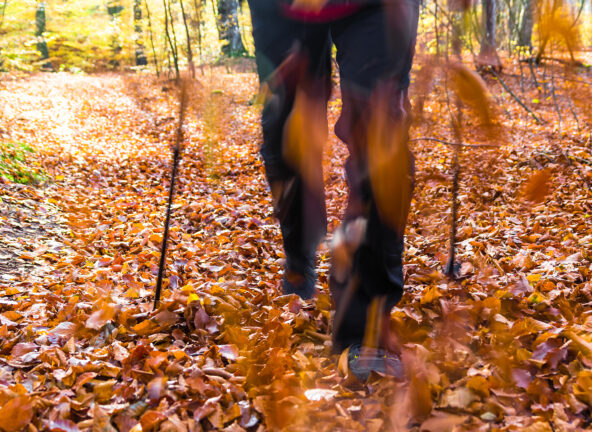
[374, 52]
[292, 57]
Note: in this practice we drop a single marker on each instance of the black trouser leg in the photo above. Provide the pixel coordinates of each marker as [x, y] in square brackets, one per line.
[374, 51]
[291, 57]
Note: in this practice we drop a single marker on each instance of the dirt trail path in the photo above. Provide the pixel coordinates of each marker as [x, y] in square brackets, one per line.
[80, 348]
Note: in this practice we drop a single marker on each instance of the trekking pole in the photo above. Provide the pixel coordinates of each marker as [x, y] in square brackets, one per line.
[452, 266]
[176, 155]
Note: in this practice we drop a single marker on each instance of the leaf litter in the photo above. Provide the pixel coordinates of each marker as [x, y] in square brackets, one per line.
[506, 347]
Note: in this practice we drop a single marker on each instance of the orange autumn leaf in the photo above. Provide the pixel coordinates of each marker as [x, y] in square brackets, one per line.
[507, 346]
[472, 91]
[16, 414]
[102, 316]
[538, 186]
[389, 165]
[305, 133]
[151, 419]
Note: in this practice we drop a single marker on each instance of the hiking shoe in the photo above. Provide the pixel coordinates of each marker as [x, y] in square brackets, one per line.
[303, 285]
[361, 361]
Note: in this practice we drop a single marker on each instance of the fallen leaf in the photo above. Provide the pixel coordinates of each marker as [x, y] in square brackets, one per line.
[16, 414]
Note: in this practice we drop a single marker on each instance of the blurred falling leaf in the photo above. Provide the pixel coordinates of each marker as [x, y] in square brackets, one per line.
[557, 23]
[102, 316]
[421, 399]
[432, 294]
[472, 91]
[156, 387]
[459, 398]
[537, 187]
[582, 388]
[305, 134]
[479, 385]
[389, 162]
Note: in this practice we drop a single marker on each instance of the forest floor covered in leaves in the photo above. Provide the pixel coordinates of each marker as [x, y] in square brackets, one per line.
[506, 347]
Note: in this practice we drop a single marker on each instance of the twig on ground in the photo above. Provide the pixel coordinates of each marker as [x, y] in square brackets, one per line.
[533, 74]
[573, 111]
[566, 156]
[452, 143]
[564, 62]
[556, 105]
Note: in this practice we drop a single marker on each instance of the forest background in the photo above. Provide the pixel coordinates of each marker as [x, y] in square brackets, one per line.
[93, 35]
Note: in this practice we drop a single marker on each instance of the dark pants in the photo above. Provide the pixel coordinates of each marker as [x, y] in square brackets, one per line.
[375, 48]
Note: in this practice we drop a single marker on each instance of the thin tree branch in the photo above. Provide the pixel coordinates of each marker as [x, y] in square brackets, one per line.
[573, 110]
[516, 98]
[567, 156]
[555, 104]
[152, 39]
[582, 3]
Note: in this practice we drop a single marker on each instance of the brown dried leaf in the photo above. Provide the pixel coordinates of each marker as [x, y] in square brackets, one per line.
[101, 317]
[151, 419]
[537, 187]
[16, 414]
[442, 422]
[472, 91]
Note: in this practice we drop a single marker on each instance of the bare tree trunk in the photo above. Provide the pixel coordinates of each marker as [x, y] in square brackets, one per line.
[488, 55]
[189, 52]
[40, 23]
[215, 12]
[156, 65]
[511, 25]
[139, 35]
[228, 28]
[456, 43]
[525, 32]
[197, 8]
[489, 7]
[114, 9]
[3, 12]
[436, 31]
[175, 44]
[2, 22]
[456, 9]
[172, 42]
